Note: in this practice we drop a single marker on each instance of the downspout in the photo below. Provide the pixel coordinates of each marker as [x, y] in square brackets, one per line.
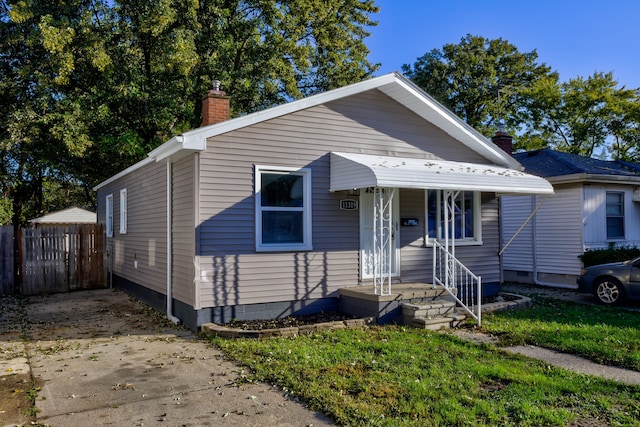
[170, 315]
[534, 243]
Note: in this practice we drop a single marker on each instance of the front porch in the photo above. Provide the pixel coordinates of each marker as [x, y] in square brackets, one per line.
[362, 301]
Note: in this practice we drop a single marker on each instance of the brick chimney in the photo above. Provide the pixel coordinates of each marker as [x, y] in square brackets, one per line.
[215, 106]
[503, 139]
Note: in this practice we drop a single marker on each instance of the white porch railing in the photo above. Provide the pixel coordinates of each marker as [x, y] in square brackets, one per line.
[451, 274]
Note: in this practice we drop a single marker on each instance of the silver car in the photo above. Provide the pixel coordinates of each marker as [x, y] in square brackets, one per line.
[612, 283]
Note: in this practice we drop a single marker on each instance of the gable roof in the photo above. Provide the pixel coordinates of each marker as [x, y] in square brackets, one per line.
[67, 216]
[394, 85]
[559, 167]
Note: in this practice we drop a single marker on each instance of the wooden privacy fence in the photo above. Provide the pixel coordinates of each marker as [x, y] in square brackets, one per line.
[53, 259]
[6, 260]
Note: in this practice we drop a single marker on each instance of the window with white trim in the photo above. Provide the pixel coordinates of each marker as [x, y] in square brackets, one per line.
[108, 214]
[465, 224]
[123, 211]
[615, 215]
[283, 208]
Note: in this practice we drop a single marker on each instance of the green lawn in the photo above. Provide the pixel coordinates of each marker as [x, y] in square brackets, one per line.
[398, 376]
[605, 335]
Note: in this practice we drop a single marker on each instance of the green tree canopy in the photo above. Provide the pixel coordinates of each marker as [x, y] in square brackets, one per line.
[88, 87]
[583, 116]
[484, 81]
[480, 80]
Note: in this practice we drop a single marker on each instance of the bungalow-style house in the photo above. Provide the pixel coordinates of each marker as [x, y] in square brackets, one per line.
[596, 203]
[273, 213]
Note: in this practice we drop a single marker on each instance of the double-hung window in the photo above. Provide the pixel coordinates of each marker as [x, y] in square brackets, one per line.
[123, 211]
[283, 208]
[108, 214]
[615, 215]
[464, 216]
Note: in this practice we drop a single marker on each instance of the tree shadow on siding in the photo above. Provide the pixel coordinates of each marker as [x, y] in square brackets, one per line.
[234, 275]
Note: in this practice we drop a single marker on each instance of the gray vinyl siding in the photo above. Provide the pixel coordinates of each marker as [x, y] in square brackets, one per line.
[233, 273]
[145, 240]
[595, 217]
[415, 258]
[483, 259]
[559, 232]
[518, 256]
[552, 242]
[183, 230]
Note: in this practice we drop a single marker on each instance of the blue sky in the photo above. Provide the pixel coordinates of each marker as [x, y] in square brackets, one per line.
[573, 37]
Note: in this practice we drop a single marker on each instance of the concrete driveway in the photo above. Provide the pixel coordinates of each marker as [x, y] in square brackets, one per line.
[102, 358]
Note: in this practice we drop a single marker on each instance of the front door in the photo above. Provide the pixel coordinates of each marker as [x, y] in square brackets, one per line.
[379, 239]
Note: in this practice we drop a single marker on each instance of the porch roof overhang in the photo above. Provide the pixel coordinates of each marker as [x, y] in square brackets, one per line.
[351, 171]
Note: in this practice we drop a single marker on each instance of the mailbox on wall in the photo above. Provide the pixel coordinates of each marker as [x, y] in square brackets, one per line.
[409, 222]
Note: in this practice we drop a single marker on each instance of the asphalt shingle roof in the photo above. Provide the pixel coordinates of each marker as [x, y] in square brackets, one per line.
[547, 163]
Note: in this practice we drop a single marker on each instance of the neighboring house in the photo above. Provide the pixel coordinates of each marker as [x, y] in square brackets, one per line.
[272, 213]
[72, 215]
[596, 203]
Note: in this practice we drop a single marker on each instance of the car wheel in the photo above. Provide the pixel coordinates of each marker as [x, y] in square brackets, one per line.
[609, 291]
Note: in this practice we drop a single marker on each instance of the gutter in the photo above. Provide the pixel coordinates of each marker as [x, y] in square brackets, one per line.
[170, 315]
[594, 178]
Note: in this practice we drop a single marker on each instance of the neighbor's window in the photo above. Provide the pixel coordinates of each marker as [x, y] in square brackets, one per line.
[464, 220]
[109, 215]
[123, 211]
[615, 215]
[283, 208]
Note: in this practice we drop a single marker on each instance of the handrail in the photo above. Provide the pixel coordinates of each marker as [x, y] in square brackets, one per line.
[458, 280]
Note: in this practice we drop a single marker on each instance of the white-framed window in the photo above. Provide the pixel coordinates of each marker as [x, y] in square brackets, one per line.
[615, 215]
[465, 224]
[108, 214]
[283, 208]
[123, 211]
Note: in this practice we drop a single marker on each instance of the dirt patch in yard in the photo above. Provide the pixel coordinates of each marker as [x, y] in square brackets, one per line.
[15, 401]
[15, 380]
[288, 322]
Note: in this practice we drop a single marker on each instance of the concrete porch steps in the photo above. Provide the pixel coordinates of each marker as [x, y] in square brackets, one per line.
[422, 301]
[436, 315]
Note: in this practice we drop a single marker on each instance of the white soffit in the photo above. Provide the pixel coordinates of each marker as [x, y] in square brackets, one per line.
[349, 171]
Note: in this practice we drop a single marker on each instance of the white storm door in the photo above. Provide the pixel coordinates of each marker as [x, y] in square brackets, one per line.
[371, 243]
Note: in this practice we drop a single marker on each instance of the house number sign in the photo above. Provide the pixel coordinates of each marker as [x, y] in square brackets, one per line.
[349, 205]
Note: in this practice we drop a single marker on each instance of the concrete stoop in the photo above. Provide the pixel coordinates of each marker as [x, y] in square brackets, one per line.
[437, 315]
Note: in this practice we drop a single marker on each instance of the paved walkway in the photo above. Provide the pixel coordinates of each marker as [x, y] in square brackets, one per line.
[552, 357]
[102, 358]
[559, 359]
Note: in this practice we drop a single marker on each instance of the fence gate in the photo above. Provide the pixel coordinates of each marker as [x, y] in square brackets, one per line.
[86, 257]
[43, 256]
[58, 259]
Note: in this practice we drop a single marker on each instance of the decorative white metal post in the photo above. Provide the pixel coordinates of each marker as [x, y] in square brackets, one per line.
[383, 233]
[450, 235]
